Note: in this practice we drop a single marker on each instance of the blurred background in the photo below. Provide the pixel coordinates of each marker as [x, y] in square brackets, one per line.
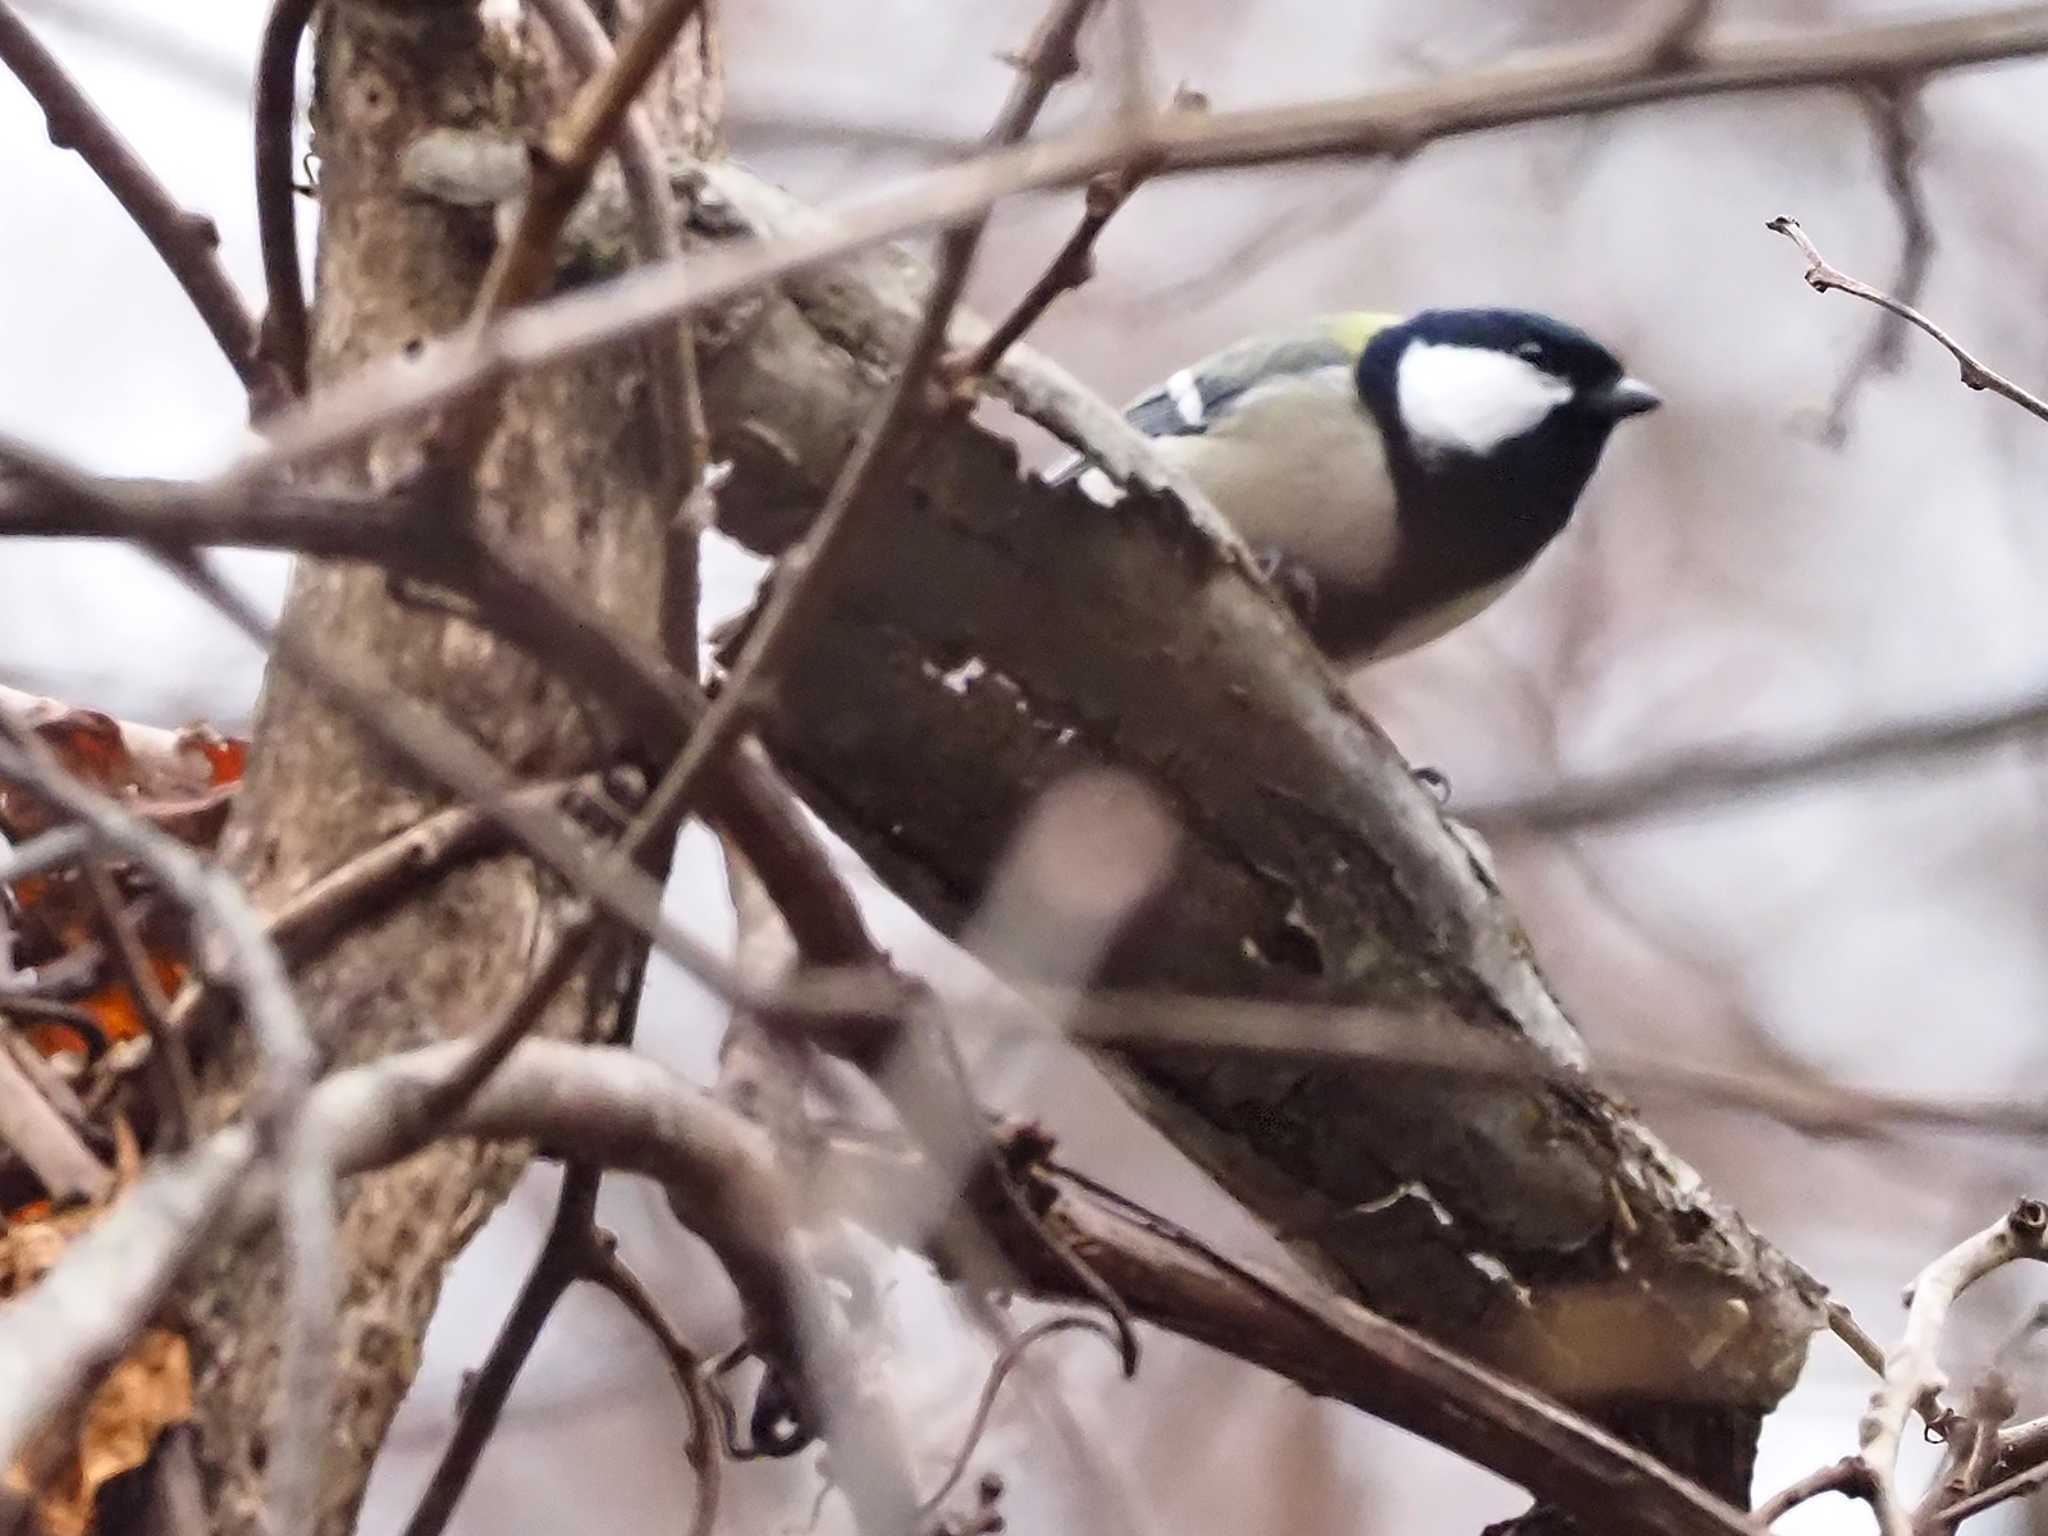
[1768, 559]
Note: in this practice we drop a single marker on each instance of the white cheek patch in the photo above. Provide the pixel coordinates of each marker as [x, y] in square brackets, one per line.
[1457, 399]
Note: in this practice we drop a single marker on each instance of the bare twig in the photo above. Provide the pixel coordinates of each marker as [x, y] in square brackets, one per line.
[562, 163]
[2021, 1447]
[887, 443]
[187, 242]
[1971, 1452]
[1071, 266]
[891, 437]
[630, 1113]
[536, 609]
[1671, 39]
[561, 1263]
[489, 1050]
[39, 1136]
[721, 1179]
[284, 336]
[998, 1373]
[310, 919]
[169, 1065]
[44, 852]
[678, 394]
[1707, 777]
[458, 764]
[575, 1248]
[1823, 278]
[1849, 1477]
[2016, 1486]
[1894, 113]
[1913, 1373]
[609, 1271]
[43, 496]
[1843, 1325]
[1387, 123]
[246, 956]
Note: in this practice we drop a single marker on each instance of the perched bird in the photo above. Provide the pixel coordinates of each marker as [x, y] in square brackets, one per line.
[1395, 476]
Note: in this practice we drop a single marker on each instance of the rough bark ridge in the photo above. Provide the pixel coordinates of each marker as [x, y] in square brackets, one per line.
[572, 475]
[989, 635]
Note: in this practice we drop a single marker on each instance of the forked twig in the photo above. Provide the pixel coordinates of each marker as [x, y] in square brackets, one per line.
[999, 1372]
[1912, 1371]
[1823, 278]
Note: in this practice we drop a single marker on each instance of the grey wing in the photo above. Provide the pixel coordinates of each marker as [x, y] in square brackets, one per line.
[1194, 399]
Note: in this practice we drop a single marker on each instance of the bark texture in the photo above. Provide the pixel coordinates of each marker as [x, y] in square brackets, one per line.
[988, 635]
[572, 475]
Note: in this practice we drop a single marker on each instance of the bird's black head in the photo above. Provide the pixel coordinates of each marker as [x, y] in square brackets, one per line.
[1494, 420]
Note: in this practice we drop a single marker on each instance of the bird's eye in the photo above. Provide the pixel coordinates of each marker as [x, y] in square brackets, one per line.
[1530, 350]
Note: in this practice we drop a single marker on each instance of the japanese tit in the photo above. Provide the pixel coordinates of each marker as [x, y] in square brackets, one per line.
[1394, 476]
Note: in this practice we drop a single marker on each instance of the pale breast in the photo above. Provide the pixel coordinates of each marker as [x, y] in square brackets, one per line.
[1308, 478]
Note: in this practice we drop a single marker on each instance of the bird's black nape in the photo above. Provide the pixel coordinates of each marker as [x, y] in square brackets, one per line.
[1553, 346]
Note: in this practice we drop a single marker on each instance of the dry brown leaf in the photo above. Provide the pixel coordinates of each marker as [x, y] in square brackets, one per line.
[183, 782]
[143, 1396]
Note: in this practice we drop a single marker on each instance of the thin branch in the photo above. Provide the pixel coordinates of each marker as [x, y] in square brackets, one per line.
[1894, 112]
[609, 1108]
[489, 1049]
[284, 335]
[1072, 266]
[1333, 1347]
[310, 919]
[535, 609]
[2016, 1486]
[678, 393]
[1671, 40]
[1822, 278]
[36, 1133]
[562, 164]
[560, 1263]
[575, 1248]
[42, 496]
[169, 1066]
[887, 444]
[1849, 1477]
[631, 1114]
[1972, 1449]
[1912, 1373]
[999, 1372]
[1707, 776]
[890, 439]
[1393, 122]
[44, 852]
[248, 959]
[456, 763]
[608, 1271]
[188, 242]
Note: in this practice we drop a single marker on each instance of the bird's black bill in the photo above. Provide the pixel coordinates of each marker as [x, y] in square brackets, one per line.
[1622, 397]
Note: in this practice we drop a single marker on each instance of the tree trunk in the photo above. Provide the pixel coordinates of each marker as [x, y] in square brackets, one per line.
[574, 475]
